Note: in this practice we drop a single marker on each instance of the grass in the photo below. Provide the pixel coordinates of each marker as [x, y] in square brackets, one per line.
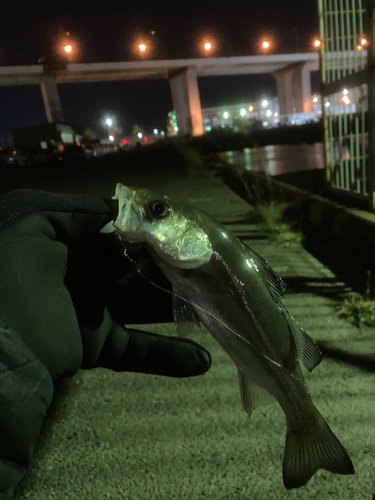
[357, 310]
[272, 222]
[269, 211]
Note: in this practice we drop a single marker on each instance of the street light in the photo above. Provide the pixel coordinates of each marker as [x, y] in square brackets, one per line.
[363, 41]
[142, 47]
[264, 103]
[68, 49]
[207, 46]
[225, 115]
[109, 122]
[243, 112]
[315, 99]
[251, 108]
[265, 44]
[317, 43]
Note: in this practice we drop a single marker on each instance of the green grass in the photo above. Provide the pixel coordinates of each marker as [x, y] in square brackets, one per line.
[357, 310]
[272, 222]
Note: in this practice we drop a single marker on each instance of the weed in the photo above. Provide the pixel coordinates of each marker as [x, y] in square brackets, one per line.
[271, 220]
[358, 310]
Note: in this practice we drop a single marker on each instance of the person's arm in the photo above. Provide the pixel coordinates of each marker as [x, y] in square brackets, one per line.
[66, 292]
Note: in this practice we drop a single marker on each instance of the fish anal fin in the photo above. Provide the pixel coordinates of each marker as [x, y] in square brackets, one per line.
[252, 395]
[308, 352]
[311, 449]
[184, 316]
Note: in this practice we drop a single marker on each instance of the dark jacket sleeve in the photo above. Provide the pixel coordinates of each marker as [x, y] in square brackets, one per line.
[26, 390]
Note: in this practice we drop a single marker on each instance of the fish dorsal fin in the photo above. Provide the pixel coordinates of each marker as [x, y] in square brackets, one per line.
[184, 316]
[308, 352]
[273, 280]
[252, 395]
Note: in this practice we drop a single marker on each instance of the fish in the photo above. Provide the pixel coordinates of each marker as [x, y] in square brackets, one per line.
[219, 282]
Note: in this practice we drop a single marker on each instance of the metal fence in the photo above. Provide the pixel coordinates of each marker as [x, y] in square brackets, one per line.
[345, 59]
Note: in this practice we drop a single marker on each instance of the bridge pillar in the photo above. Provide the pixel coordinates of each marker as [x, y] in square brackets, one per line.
[51, 99]
[186, 101]
[293, 85]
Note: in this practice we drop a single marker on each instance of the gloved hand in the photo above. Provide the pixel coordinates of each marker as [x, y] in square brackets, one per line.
[66, 291]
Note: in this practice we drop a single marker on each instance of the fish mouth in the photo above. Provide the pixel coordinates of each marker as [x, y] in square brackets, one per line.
[129, 219]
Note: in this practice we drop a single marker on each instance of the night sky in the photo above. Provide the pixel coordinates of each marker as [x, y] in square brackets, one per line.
[109, 31]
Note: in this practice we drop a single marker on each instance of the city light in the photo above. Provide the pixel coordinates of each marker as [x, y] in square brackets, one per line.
[327, 104]
[251, 108]
[139, 135]
[268, 113]
[315, 99]
[364, 41]
[345, 91]
[111, 138]
[108, 122]
[317, 43]
[68, 48]
[276, 114]
[264, 103]
[142, 47]
[207, 46]
[359, 47]
[243, 112]
[162, 132]
[124, 141]
[225, 115]
[156, 131]
[345, 99]
[145, 139]
[175, 129]
[173, 117]
[266, 44]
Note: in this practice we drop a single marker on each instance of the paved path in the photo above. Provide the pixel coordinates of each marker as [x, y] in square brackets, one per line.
[140, 437]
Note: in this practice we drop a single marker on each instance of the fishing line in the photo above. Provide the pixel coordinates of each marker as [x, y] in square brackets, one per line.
[204, 310]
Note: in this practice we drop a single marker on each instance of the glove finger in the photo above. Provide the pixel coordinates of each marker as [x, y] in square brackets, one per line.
[73, 216]
[144, 352]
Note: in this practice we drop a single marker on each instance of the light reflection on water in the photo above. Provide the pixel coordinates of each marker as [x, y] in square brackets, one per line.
[278, 159]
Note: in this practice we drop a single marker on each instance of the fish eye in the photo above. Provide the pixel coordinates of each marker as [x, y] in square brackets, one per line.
[159, 209]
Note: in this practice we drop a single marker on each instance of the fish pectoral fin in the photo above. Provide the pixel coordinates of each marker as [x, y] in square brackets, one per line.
[184, 316]
[308, 352]
[252, 395]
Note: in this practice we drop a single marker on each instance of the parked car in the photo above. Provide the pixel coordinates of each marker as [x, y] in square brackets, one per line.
[12, 156]
[75, 152]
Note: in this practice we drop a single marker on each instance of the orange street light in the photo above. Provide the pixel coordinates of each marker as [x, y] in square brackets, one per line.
[68, 49]
[266, 44]
[317, 43]
[359, 47]
[363, 41]
[142, 47]
[207, 46]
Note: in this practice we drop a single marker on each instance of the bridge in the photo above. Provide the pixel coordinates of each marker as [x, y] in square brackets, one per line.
[292, 73]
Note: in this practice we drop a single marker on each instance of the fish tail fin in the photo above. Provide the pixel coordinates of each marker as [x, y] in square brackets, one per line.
[311, 449]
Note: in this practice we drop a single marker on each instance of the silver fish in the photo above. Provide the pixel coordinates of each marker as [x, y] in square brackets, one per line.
[231, 289]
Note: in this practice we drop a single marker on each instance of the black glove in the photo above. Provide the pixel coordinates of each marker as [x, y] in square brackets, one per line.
[65, 291]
